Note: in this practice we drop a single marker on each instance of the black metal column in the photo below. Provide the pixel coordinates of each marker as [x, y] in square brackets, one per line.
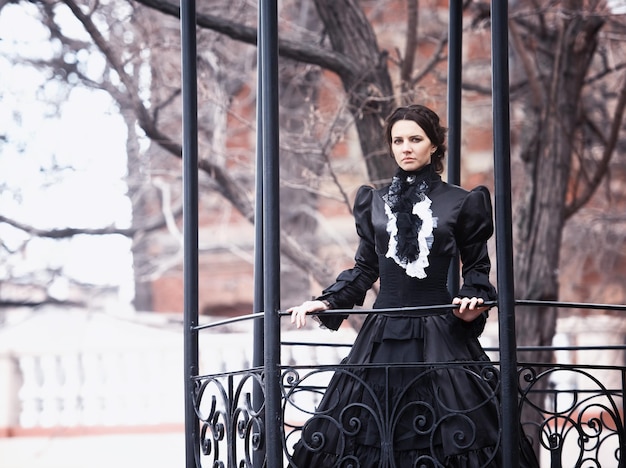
[190, 223]
[258, 398]
[455, 52]
[504, 237]
[268, 68]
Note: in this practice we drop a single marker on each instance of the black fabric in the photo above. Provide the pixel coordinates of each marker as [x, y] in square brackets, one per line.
[451, 414]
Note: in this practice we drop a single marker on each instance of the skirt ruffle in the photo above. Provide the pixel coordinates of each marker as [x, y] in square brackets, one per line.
[413, 411]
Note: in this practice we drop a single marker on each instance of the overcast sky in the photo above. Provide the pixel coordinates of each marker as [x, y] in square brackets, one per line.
[62, 169]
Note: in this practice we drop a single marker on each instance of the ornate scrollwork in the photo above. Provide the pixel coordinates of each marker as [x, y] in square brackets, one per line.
[231, 423]
[424, 412]
[580, 426]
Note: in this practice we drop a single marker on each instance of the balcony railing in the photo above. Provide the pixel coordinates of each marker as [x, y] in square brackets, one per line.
[573, 413]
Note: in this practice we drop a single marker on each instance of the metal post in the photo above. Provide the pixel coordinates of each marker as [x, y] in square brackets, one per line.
[455, 49]
[268, 47]
[258, 456]
[504, 238]
[190, 223]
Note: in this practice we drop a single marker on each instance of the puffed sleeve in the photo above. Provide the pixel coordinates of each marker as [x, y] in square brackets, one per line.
[352, 285]
[474, 228]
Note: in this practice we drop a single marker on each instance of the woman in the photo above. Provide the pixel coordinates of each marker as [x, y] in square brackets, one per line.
[409, 232]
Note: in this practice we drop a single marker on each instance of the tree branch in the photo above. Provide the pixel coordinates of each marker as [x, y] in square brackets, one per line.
[64, 233]
[340, 64]
[533, 81]
[603, 165]
[7, 303]
[435, 58]
[227, 186]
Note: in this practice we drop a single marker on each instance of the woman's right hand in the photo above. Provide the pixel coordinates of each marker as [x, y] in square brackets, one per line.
[299, 313]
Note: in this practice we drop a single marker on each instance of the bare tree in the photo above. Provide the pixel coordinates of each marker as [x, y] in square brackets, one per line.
[566, 72]
[573, 108]
[563, 105]
[140, 76]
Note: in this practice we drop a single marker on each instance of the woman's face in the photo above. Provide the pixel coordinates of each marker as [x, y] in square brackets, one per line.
[411, 148]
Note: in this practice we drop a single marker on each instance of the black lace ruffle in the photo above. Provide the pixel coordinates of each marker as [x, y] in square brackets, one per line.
[407, 189]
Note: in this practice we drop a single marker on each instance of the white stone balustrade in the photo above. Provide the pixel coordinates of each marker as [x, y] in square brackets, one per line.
[76, 369]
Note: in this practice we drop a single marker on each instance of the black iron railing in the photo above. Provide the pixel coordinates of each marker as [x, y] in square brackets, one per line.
[573, 413]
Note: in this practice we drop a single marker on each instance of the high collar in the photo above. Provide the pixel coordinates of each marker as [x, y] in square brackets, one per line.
[426, 173]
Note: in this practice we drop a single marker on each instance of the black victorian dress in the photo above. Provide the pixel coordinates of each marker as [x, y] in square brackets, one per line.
[411, 413]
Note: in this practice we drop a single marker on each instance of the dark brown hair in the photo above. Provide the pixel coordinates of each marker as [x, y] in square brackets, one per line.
[429, 121]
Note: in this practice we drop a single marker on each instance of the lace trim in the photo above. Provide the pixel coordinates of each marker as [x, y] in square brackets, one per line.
[414, 268]
[411, 221]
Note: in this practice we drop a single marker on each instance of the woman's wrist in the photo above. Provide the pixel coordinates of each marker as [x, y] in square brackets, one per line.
[326, 304]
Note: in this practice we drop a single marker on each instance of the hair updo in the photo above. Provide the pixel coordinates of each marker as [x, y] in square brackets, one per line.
[428, 120]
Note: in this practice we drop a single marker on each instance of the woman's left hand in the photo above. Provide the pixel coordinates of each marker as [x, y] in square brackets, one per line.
[469, 308]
